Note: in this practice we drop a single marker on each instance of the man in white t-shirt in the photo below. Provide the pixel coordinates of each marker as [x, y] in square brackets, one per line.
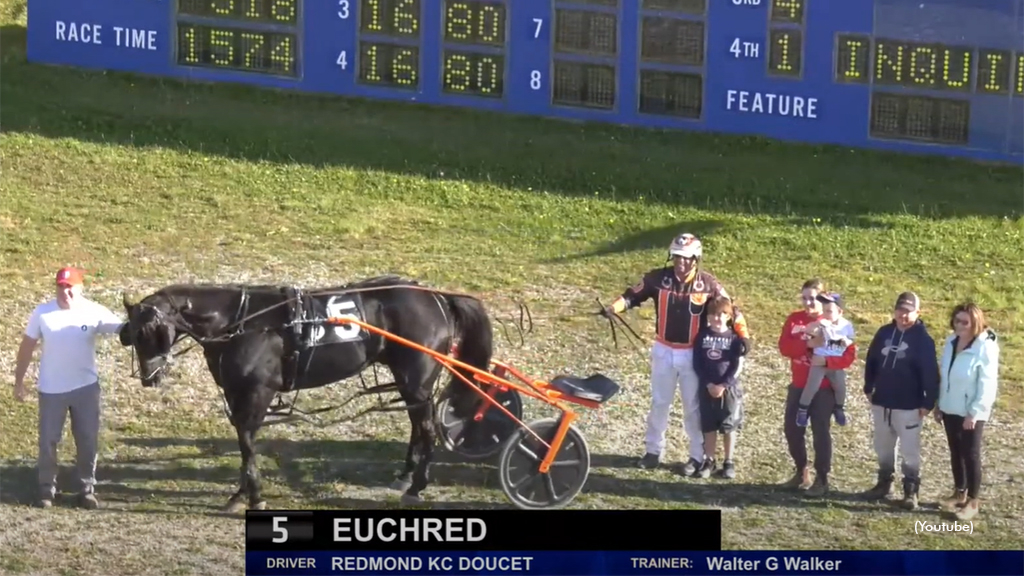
[68, 382]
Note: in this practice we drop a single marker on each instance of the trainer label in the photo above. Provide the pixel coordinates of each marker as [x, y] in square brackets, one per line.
[661, 562]
[922, 527]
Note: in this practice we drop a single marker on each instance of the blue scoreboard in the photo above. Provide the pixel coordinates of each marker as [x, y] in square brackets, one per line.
[924, 76]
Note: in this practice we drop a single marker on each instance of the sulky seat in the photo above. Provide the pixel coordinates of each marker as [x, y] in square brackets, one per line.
[596, 388]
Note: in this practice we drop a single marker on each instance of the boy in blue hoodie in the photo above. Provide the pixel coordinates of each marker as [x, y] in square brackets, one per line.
[901, 381]
[718, 360]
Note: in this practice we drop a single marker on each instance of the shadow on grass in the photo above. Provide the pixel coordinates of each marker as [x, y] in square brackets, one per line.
[311, 468]
[734, 174]
[651, 238]
[307, 466]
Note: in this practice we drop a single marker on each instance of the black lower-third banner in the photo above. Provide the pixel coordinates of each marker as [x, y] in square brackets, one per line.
[484, 530]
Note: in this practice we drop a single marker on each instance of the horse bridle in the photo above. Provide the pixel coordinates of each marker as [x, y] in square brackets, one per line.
[181, 331]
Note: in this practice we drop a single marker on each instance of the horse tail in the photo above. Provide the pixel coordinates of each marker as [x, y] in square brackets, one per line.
[476, 342]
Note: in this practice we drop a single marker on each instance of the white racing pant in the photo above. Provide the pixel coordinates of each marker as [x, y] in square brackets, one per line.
[672, 368]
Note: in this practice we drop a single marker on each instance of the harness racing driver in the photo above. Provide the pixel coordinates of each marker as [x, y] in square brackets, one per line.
[680, 293]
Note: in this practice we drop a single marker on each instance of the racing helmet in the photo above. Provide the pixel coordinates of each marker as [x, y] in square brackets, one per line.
[687, 246]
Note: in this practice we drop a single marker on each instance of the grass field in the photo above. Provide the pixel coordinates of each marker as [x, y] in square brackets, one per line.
[146, 182]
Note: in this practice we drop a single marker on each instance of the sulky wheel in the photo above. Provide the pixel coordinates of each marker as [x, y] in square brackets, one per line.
[483, 439]
[520, 461]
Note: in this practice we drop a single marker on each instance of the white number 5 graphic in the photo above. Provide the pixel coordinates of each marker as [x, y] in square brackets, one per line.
[337, 308]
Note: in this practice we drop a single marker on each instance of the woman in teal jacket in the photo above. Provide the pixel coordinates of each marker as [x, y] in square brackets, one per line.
[969, 372]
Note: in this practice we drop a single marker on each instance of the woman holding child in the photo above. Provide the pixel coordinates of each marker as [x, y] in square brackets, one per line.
[967, 391]
[818, 407]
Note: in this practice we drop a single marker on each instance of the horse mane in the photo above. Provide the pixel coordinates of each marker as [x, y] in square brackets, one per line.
[383, 281]
[174, 292]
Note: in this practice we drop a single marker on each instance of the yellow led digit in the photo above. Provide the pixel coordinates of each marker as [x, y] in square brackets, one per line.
[252, 11]
[487, 80]
[952, 79]
[406, 22]
[883, 58]
[457, 72]
[403, 67]
[253, 43]
[992, 82]
[371, 73]
[783, 62]
[789, 10]
[489, 23]
[223, 7]
[283, 10]
[222, 39]
[458, 21]
[922, 65]
[1020, 74]
[281, 54]
[190, 40]
[374, 14]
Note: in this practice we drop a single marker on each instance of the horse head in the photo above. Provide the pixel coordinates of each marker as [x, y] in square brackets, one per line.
[154, 325]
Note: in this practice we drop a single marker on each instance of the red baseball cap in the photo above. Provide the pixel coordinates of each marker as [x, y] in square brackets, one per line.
[70, 276]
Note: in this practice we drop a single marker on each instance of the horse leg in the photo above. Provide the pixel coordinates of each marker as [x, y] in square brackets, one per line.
[248, 415]
[234, 504]
[404, 479]
[421, 452]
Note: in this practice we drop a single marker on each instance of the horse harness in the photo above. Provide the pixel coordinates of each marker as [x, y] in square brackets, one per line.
[298, 335]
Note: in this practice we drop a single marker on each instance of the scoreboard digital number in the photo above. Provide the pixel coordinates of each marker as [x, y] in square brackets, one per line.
[939, 78]
[239, 43]
[473, 61]
[389, 43]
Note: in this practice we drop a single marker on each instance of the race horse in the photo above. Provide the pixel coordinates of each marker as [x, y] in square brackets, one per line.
[262, 340]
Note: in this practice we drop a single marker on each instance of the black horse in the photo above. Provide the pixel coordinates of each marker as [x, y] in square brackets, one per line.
[260, 341]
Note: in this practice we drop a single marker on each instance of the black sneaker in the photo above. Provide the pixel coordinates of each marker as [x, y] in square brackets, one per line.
[649, 461]
[707, 468]
[728, 470]
[691, 468]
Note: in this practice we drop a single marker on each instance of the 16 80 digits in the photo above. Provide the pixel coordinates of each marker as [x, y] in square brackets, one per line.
[272, 11]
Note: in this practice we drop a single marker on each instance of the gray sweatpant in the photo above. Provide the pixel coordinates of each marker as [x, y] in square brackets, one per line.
[903, 426]
[84, 406]
[837, 378]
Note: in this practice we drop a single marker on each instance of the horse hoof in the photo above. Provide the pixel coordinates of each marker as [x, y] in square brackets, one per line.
[410, 500]
[234, 507]
[261, 505]
[400, 485]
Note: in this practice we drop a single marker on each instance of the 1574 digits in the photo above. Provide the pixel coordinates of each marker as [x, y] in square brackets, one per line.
[237, 48]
